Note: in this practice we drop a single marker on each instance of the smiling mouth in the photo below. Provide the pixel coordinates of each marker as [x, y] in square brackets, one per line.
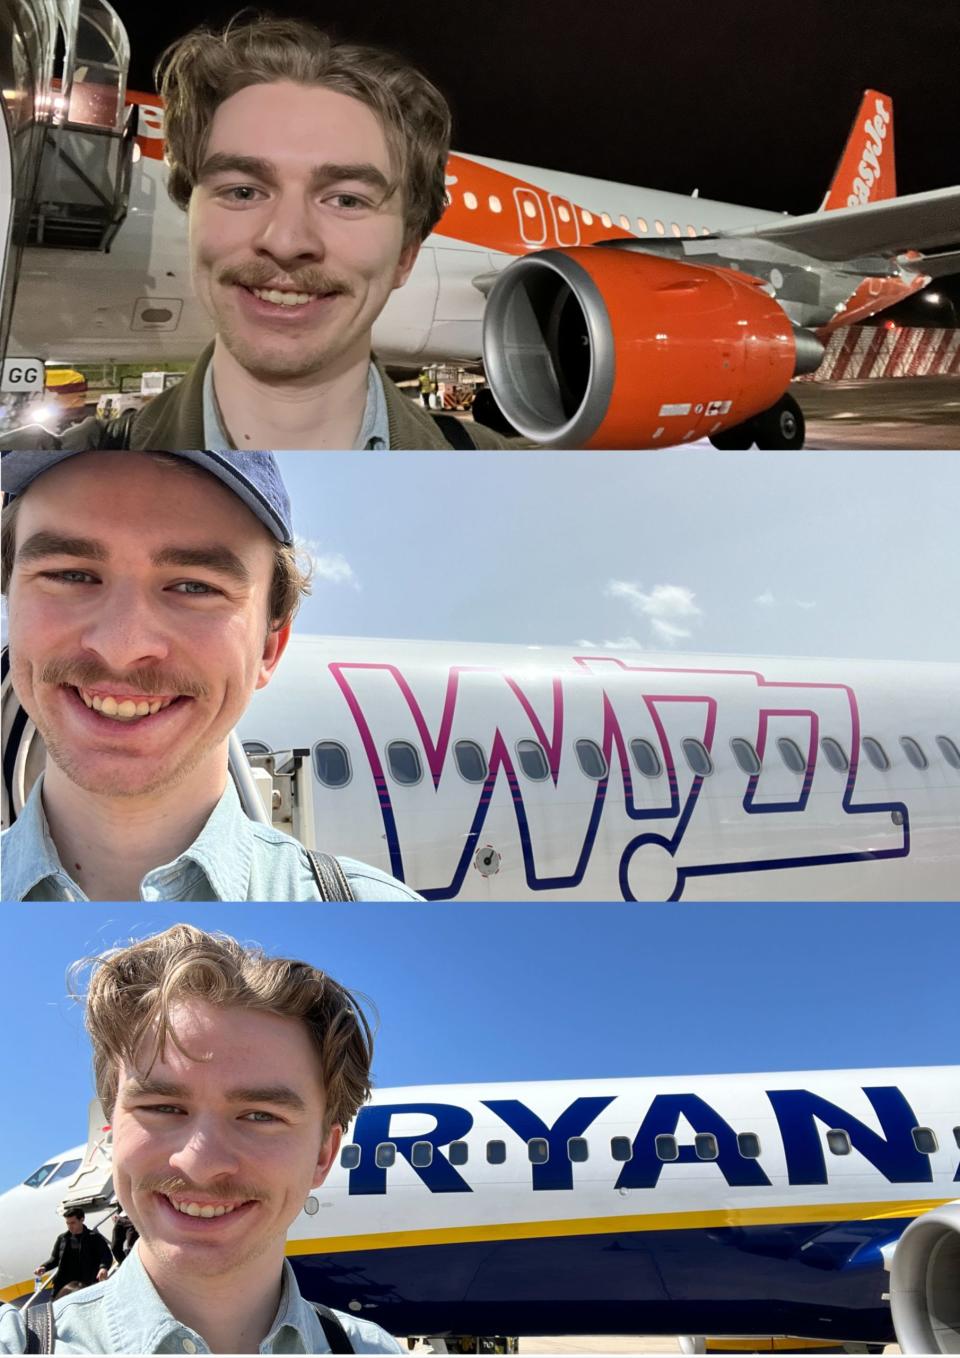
[123, 707]
[206, 1209]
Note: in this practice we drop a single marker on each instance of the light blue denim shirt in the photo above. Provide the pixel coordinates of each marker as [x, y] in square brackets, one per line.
[374, 428]
[232, 859]
[125, 1315]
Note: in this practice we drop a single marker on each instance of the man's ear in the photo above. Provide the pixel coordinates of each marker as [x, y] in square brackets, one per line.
[273, 649]
[408, 257]
[328, 1153]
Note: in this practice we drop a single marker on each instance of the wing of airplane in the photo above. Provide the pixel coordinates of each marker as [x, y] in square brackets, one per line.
[919, 221]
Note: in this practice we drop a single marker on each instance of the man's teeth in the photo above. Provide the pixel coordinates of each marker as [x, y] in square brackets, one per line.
[193, 1209]
[124, 709]
[283, 298]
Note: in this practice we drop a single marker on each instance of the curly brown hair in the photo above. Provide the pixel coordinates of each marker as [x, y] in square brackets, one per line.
[131, 991]
[201, 70]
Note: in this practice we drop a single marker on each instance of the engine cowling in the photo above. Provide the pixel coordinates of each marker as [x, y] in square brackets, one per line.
[606, 348]
[925, 1283]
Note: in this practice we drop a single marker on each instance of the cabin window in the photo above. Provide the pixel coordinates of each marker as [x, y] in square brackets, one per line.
[675, 228]
[838, 1141]
[538, 1150]
[586, 217]
[332, 763]
[494, 203]
[925, 1140]
[642, 224]
[646, 758]
[748, 1144]
[470, 201]
[255, 747]
[691, 230]
[666, 1147]
[914, 753]
[591, 760]
[421, 1154]
[875, 753]
[471, 761]
[606, 219]
[624, 222]
[563, 212]
[350, 1157]
[835, 754]
[705, 1144]
[529, 208]
[458, 1152]
[386, 1155]
[745, 755]
[404, 762]
[577, 1149]
[532, 760]
[621, 1148]
[659, 227]
[496, 1152]
[40, 1175]
[949, 750]
[697, 757]
[791, 755]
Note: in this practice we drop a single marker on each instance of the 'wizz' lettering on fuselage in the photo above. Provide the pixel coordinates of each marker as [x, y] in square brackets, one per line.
[678, 809]
[891, 1151]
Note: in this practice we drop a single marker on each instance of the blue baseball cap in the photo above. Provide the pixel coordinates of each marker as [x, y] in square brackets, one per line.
[255, 477]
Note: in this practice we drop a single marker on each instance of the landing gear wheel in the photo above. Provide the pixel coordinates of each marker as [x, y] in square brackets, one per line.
[737, 439]
[782, 426]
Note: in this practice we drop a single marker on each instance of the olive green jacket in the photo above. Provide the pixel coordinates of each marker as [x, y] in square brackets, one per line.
[173, 422]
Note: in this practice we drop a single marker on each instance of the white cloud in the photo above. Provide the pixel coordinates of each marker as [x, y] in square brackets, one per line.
[666, 607]
[766, 599]
[333, 567]
[585, 645]
[806, 603]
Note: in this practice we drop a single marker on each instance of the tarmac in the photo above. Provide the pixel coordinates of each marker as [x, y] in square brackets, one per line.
[892, 412]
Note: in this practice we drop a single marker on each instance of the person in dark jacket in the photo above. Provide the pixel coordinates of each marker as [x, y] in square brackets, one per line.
[79, 1255]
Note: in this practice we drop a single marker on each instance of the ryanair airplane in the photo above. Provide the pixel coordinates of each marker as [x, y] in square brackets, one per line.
[813, 1204]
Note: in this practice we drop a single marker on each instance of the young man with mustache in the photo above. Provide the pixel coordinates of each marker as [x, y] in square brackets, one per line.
[228, 1078]
[148, 596]
[311, 171]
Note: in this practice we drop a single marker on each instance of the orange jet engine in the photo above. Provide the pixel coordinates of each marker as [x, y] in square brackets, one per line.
[611, 347]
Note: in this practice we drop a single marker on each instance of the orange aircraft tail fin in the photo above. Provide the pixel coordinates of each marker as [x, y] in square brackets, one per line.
[867, 172]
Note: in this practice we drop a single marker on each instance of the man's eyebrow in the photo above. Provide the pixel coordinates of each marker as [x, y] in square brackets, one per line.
[281, 1096]
[44, 543]
[227, 162]
[218, 557]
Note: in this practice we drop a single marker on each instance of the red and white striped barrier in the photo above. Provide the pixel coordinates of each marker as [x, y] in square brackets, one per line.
[857, 352]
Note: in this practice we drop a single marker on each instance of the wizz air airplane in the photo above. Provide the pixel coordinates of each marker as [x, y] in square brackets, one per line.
[606, 315]
[766, 1205]
[485, 772]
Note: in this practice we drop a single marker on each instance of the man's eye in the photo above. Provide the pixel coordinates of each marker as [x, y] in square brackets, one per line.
[199, 588]
[67, 577]
[350, 202]
[240, 193]
[259, 1116]
[160, 1108]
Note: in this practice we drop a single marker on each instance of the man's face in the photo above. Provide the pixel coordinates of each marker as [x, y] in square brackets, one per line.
[213, 1158]
[74, 1225]
[138, 619]
[296, 242]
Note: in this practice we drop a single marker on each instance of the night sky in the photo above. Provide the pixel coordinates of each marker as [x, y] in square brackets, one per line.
[748, 100]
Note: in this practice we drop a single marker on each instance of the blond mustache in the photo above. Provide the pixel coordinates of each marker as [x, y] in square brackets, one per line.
[87, 674]
[174, 1186]
[251, 277]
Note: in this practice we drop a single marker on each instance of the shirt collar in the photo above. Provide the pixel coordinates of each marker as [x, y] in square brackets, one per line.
[223, 852]
[374, 427]
[139, 1321]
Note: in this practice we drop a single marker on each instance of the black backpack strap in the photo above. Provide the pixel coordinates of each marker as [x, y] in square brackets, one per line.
[333, 886]
[41, 1330]
[455, 431]
[116, 433]
[336, 1335]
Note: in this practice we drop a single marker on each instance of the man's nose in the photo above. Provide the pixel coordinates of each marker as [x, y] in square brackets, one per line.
[205, 1156]
[291, 232]
[126, 629]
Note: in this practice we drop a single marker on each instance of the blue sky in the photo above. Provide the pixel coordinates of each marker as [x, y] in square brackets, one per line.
[549, 991]
[835, 554]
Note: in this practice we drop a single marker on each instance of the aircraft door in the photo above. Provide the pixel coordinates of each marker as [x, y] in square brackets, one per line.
[566, 222]
[530, 216]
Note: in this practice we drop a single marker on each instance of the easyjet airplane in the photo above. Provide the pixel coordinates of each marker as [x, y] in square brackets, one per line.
[484, 772]
[606, 315]
[725, 1205]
